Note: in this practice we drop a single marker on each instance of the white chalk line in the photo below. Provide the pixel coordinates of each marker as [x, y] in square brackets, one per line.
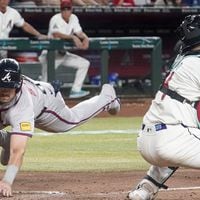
[182, 188]
[91, 132]
[99, 194]
[40, 192]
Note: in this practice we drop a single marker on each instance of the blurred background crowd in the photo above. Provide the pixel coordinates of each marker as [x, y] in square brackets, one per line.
[155, 3]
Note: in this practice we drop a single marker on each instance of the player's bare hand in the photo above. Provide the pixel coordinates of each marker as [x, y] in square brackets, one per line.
[85, 44]
[5, 189]
[42, 37]
[77, 42]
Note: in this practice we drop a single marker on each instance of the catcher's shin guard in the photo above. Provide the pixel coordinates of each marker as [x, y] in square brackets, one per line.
[5, 144]
[148, 188]
[159, 175]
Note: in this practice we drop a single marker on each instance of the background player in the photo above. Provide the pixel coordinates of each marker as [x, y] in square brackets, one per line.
[65, 25]
[10, 17]
[170, 135]
[25, 103]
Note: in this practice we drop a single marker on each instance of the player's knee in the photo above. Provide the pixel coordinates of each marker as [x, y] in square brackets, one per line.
[42, 59]
[86, 64]
[166, 156]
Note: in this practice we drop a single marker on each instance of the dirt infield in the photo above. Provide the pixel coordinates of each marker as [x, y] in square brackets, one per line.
[99, 186]
[105, 185]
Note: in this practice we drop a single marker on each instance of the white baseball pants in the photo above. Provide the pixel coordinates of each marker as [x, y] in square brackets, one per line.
[174, 146]
[67, 60]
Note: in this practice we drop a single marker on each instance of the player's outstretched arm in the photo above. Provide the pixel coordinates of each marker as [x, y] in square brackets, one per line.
[17, 150]
[31, 30]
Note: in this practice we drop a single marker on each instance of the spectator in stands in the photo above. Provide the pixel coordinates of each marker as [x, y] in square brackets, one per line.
[103, 2]
[65, 25]
[86, 2]
[10, 17]
[35, 3]
[49, 3]
[123, 3]
[26, 3]
[143, 2]
[168, 3]
[74, 2]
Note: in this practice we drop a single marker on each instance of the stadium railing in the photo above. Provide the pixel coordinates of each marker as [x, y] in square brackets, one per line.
[105, 45]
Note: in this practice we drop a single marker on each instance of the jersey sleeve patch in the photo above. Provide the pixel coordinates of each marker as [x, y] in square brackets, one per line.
[25, 126]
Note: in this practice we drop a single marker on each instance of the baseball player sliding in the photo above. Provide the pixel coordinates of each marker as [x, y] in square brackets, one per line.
[25, 104]
[170, 134]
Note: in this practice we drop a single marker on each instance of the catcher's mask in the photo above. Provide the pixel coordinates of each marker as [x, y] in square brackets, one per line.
[10, 74]
[189, 32]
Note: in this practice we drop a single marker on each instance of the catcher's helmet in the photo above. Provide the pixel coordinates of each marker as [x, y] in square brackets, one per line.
[10, 73]
[189, 31]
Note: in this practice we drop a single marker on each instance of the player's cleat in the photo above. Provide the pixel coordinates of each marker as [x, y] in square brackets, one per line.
[109, 92]
[75, 95]
[145, 190]
[5, 144]
[114, 107]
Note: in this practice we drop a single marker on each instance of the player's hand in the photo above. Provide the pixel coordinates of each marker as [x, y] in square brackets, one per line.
[43, 37]
[5, 189]
[77, 42]
[85, 44]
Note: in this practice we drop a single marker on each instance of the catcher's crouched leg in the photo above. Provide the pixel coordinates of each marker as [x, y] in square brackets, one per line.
[5, 144]
[148, 188]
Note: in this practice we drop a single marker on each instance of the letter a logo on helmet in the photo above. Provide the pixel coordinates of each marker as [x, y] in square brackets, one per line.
[10, 74]
[6, 78]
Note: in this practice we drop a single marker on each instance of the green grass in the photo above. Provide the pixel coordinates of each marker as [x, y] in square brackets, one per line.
[87, 152]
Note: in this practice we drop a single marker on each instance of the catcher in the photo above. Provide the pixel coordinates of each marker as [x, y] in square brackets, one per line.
[25, 104]
[170, 134]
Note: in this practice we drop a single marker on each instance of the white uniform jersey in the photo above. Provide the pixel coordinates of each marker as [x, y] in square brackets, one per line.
[185, 80]
[58, 24]
[7, 20]
[24, 108]
[170, 130]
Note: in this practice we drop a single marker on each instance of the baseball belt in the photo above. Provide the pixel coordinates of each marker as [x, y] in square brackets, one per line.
[156, 127]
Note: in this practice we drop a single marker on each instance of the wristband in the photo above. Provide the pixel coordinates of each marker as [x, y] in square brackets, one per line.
[10, 174]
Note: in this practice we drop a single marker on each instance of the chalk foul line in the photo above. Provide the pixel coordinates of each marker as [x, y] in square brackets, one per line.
[125, 131]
